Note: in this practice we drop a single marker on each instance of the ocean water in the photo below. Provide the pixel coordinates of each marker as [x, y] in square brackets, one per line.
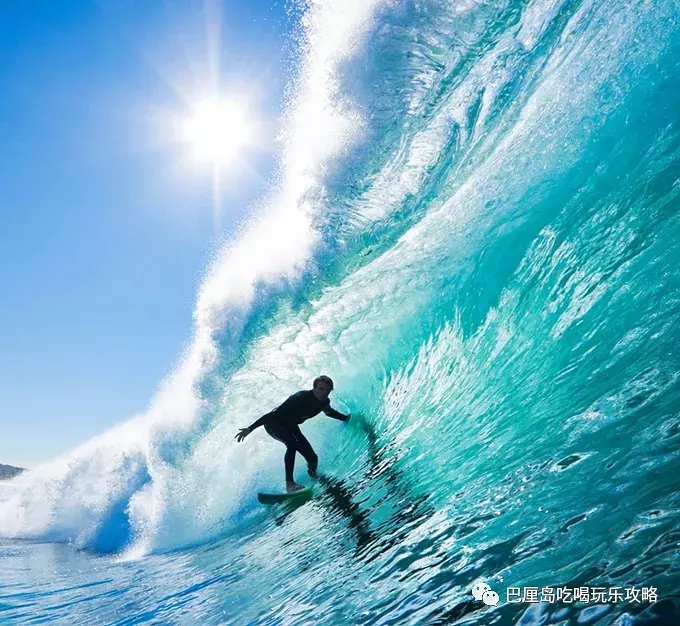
[476, 232]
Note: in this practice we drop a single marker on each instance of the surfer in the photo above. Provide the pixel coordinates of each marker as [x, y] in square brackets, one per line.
[283, 424]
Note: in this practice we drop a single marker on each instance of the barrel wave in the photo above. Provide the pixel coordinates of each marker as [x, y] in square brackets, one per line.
[476, 233]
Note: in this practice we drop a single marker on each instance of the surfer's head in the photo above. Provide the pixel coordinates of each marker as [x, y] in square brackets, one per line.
[322, 387]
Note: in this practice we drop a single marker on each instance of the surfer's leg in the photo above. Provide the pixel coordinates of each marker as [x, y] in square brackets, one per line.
[289, 462]
[305, 449]
[286, 437]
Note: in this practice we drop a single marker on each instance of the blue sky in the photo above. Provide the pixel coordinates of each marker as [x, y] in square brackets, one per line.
[106, 226]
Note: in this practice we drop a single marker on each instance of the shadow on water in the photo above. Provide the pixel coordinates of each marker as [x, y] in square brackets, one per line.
[338, 496]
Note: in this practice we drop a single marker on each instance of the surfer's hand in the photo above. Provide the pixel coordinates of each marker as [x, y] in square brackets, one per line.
[347, 417]
[242, 434]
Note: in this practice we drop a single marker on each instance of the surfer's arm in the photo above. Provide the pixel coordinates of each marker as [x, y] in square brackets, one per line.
[261, 422]
[331, 412]
[244, 432]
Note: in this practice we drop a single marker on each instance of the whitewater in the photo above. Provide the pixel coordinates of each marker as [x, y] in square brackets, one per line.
[475, 231]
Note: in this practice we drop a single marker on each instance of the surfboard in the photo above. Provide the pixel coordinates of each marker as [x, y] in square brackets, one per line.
[293, 496]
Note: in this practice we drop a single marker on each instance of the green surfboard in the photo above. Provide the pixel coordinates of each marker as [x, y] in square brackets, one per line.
[293, 496]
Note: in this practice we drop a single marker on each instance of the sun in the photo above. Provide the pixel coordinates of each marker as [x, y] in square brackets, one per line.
[218, 130]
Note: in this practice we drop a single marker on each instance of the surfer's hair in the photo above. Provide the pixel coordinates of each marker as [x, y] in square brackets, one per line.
[323, 379]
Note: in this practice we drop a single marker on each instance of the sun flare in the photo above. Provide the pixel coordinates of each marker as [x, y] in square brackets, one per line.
[218, 131]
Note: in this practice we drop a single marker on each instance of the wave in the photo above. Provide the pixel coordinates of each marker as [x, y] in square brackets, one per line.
[473, 233]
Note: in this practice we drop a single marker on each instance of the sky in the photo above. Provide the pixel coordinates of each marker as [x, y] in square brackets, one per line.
[108, 219]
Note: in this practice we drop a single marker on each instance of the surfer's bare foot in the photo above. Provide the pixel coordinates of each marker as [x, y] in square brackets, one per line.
[293, 487]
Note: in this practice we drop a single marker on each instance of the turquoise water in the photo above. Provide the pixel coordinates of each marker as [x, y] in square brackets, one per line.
[476, 233]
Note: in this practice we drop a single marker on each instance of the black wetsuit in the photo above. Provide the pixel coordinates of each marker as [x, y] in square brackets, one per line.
[283, 425]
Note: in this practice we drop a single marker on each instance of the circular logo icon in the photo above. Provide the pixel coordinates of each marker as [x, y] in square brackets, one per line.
[490, 598]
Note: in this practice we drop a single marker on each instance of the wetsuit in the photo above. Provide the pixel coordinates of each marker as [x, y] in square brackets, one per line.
[283, 425]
